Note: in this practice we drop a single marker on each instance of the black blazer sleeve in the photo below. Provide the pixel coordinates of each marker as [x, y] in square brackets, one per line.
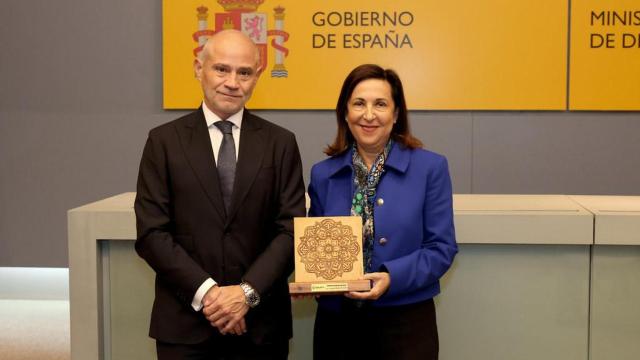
[155, 242]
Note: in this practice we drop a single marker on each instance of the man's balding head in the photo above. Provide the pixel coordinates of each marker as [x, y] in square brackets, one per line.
[228, 36]
[228, 68]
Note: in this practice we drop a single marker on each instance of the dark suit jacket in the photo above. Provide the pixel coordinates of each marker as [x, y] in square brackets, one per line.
[186, 237]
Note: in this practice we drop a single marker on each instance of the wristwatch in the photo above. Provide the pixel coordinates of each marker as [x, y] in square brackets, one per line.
[251, 296]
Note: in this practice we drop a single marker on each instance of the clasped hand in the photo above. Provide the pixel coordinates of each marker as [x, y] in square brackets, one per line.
[224, 307]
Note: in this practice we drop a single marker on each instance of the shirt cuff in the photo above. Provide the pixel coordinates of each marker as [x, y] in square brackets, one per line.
[196, 303]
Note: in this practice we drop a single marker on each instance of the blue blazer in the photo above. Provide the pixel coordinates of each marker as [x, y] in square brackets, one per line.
[414, 233]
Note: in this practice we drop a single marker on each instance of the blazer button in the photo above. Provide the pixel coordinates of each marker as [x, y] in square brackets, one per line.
[382, 241]
[380, 201]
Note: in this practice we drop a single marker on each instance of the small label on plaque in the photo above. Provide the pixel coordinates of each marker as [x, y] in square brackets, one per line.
[329, 287]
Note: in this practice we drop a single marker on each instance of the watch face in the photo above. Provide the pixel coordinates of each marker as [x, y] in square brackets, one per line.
[252, 298]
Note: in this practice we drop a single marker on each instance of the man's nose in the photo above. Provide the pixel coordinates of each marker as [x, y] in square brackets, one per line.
[232, 81]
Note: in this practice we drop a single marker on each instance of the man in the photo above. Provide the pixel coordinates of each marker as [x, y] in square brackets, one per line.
[216, 228]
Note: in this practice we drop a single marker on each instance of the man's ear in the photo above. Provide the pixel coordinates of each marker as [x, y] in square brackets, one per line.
[197, 68]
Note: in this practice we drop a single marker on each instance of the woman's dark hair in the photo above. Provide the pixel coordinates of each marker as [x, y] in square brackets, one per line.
[400, 131]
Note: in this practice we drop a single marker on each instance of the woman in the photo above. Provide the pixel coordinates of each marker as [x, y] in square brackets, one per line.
[377, 170]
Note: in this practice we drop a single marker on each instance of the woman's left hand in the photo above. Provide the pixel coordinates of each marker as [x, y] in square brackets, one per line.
[381, 282]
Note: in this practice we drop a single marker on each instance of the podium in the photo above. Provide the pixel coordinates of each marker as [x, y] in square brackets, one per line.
[530, 281]
[615, 276]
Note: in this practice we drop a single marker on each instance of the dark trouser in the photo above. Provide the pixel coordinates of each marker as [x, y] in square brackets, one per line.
[366, 332]
[229, 347]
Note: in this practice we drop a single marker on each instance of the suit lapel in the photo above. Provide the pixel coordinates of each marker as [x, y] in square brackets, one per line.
[194, 136]
[250, 156]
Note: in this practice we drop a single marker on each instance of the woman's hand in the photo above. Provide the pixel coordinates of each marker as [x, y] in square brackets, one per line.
[381, 282]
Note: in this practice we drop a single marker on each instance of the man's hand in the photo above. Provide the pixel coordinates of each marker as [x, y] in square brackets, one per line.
[239, 329]
[381, 282]
[211, 295]
[225, 308]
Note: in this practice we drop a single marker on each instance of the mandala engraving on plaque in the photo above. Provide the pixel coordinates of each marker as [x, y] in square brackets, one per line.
[328, 249]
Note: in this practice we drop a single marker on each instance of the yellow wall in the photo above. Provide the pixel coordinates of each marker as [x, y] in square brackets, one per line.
[451, 55]
[605, 55]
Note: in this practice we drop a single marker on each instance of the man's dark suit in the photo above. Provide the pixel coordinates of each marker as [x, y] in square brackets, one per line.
[186, 237]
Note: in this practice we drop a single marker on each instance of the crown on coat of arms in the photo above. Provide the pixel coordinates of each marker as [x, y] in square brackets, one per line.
[240, 5]
[202, 12]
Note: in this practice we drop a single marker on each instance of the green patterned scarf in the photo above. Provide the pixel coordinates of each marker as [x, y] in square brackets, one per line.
[366, 182]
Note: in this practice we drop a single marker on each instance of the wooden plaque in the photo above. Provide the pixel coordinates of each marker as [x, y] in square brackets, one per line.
[328, 255]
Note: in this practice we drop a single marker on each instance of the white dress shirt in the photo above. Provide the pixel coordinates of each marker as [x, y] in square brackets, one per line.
[216, 139]
[216, 135]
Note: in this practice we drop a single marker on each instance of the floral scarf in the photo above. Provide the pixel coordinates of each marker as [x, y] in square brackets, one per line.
[366, 182]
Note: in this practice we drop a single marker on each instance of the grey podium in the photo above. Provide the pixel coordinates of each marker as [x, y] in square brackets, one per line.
[615, 277]
[519, 288]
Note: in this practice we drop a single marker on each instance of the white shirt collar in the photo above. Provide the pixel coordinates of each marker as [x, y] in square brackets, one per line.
[211, 117]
